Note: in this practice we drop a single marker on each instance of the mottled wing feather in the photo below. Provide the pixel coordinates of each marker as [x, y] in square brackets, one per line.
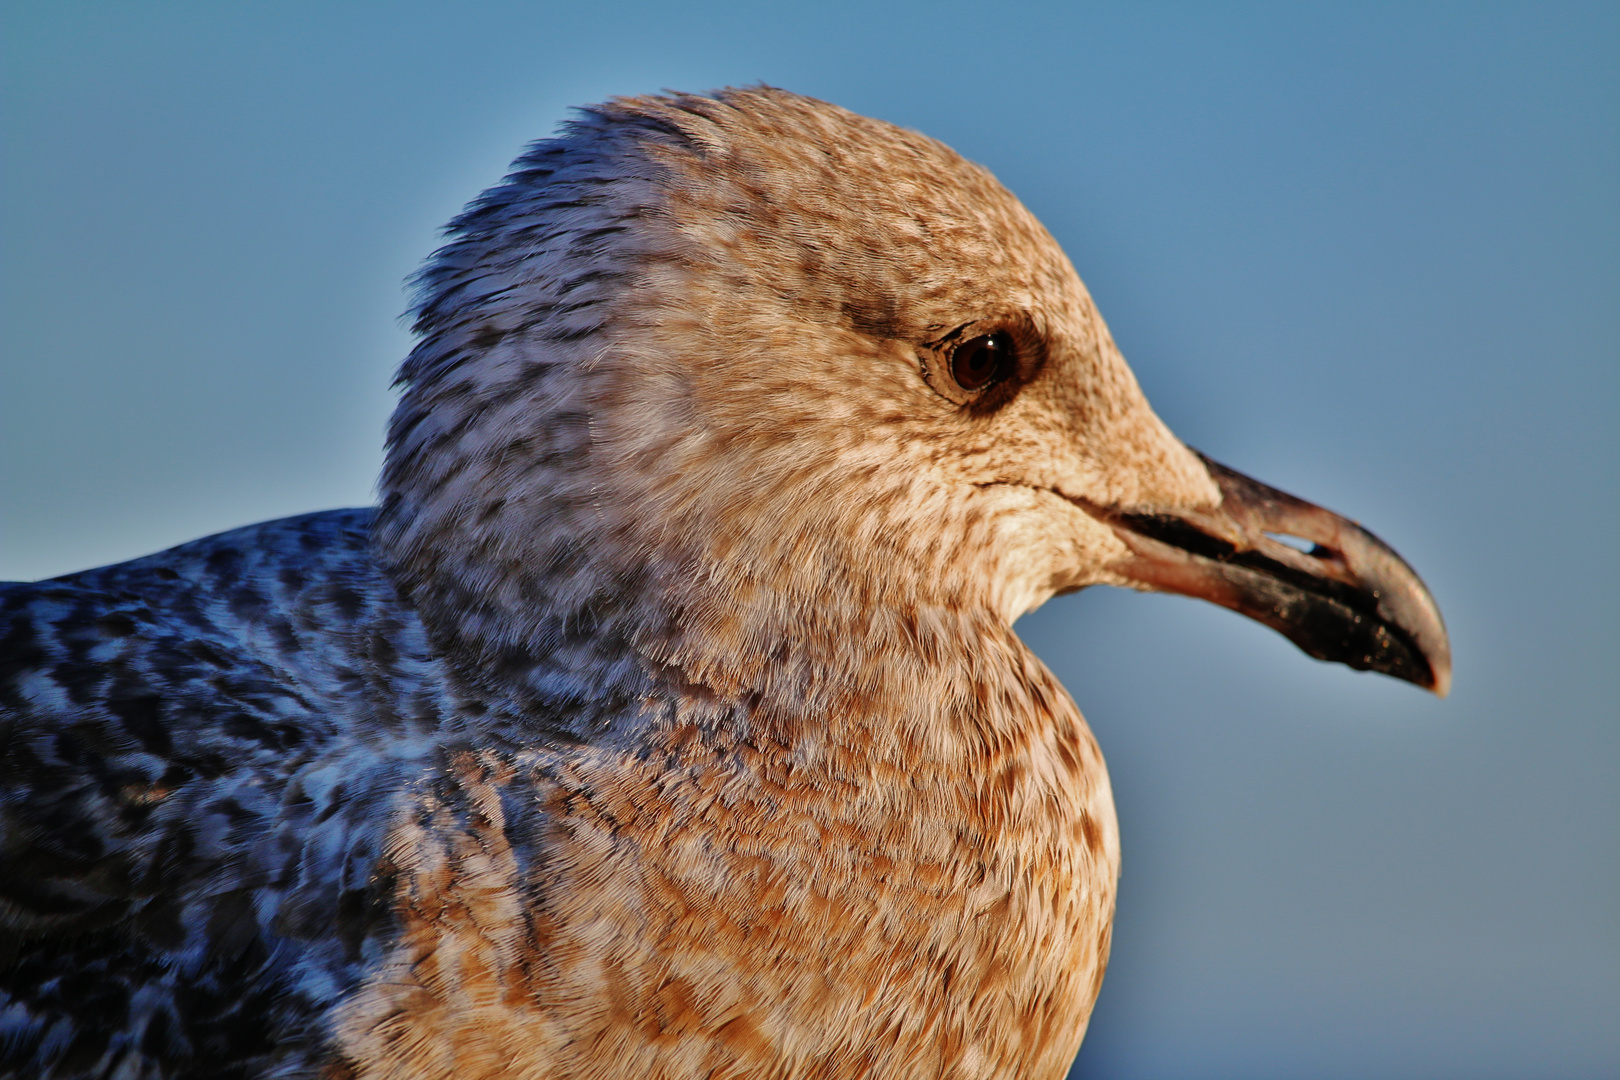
[188, 822]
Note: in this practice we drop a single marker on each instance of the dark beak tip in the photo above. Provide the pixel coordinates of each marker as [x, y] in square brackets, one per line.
[1440, 675]
[1419, 616]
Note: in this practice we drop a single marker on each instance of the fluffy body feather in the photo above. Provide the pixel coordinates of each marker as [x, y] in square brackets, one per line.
[269, 835]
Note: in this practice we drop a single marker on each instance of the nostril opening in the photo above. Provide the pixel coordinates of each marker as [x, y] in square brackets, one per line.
[1298, 543]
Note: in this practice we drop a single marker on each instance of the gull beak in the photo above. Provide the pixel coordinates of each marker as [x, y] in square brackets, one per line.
[1348, 598]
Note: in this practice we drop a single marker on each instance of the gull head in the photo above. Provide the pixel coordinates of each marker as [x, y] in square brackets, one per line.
[707, 373]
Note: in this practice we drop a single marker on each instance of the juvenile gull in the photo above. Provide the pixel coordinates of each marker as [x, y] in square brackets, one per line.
[666, 718]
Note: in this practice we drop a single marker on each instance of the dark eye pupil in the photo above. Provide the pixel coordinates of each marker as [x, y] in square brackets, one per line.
[981, 361]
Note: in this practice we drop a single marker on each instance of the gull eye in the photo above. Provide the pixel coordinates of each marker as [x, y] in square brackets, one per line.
[981, 361]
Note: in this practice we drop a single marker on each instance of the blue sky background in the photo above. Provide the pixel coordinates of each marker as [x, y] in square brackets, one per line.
[1368, 253]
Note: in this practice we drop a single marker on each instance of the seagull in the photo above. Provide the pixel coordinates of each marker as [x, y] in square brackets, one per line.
[665, 718]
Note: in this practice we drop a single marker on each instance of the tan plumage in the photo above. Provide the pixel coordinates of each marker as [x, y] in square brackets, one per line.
[719, 756]
[911, 830]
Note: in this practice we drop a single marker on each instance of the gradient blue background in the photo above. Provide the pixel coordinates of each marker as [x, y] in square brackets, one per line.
[1368, 253]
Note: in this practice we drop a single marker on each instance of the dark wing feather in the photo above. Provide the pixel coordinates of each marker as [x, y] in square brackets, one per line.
[189, 817]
